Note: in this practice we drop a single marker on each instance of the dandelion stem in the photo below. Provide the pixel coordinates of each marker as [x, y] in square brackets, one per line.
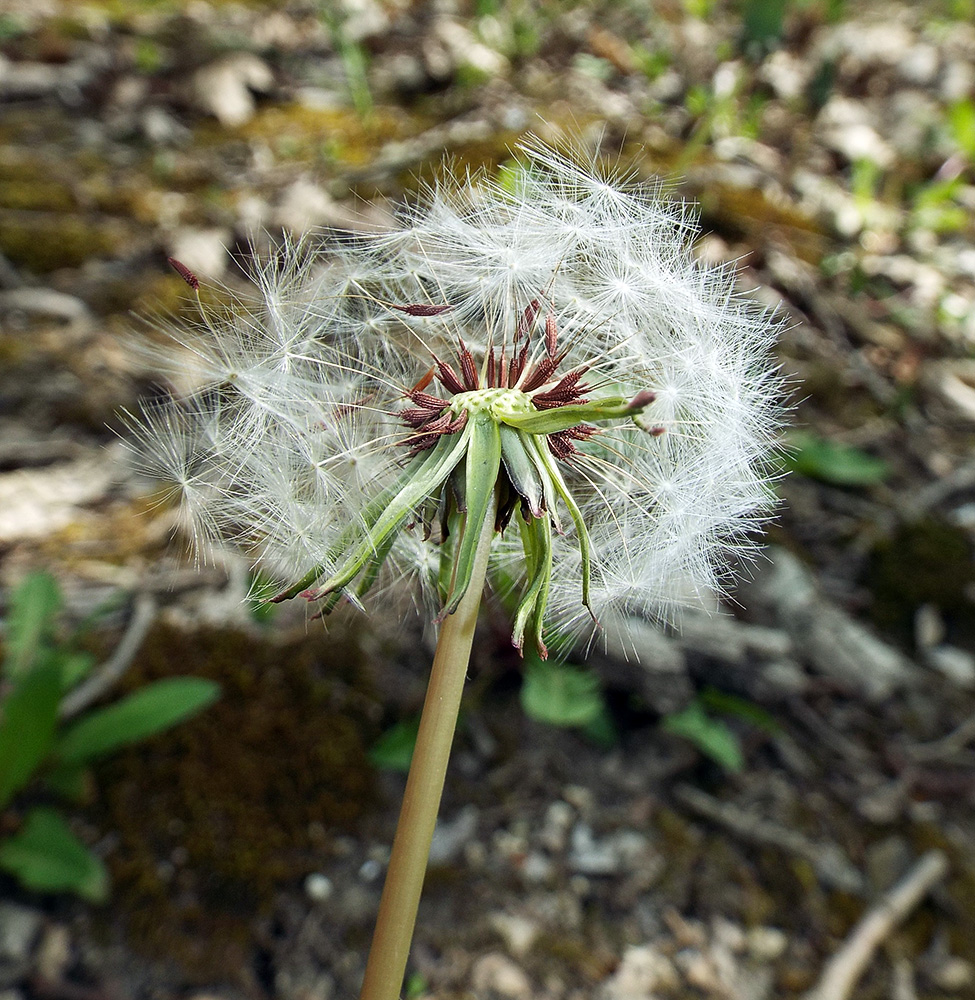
[390, 950]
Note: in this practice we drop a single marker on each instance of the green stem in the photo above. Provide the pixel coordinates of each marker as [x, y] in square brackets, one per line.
[390, 950]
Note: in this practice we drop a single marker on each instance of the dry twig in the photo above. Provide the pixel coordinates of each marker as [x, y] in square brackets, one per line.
[143, 615]
[843, 970]
[828, 860]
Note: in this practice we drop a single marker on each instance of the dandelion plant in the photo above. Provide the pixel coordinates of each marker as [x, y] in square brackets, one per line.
[531, 382]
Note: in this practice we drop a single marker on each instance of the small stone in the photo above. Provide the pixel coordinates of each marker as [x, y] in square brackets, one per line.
[728, 935]
[54, 954]
[225, 87]
[34, 503]
[318, 887]
[957, 665]
[496, 974]
[450, 837]
[642, 971]
[44, 302]
[19, 928]
[203, 251]
[370, 870]
[518, 932]
[786, 74]
[555, 828]
[920, 65]
[766, 944]
[161, 129]
[954, 974]
[465, 50]
[929, 627]
[579, 796]
[589, 856]
[699, 971]
[536, 867]
[303, 207]
[848, 127]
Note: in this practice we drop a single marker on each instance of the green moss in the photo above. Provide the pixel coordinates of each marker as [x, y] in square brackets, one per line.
[44, 242]
[746, 213]
[214, 816]
[35, 194]
[925, 562]
[338, 135]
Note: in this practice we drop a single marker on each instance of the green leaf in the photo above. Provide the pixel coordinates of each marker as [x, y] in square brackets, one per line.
[47, 857]
[559, 694]
[28, 718]
[763, 22]
[961, 118]
[741, 708]
[148, 711]
[834, 463]
[73, 667]
[711, 736]
[602, 730]
[393, 750]
[33, 608]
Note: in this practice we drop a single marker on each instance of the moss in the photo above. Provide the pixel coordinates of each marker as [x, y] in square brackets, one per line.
[34, 194]
[44, 242]
[212, 817]
[337, 135]
[746, 213]
[925, 562]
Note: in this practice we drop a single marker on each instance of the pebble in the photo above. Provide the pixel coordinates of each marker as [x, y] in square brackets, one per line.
[555, 827]
[203, 251]
[19, 928]
[303, 207]
[847, 126]
[536, 867]
[54, 953]
[766, 944]
[451, 837]
[318, 887]
[370, 870]
[225, 87]
[44, 302]
[497, 974]
[642, 971]
[954, 974]
[589, 856]
[957, 665]
[518, 932]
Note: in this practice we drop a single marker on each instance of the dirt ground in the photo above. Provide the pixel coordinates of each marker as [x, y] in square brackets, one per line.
[831, 148]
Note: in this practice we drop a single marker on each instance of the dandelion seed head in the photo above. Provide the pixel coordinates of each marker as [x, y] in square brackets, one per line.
[564, 287]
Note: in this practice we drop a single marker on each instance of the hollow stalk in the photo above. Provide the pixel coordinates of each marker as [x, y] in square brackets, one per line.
[390, 949]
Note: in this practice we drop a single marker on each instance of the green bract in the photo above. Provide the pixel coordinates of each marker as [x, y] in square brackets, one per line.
[499, 444]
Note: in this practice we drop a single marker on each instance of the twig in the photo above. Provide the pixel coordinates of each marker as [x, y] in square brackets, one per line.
[830, 863]
[843, 970]
[946, 746]
[104, 676]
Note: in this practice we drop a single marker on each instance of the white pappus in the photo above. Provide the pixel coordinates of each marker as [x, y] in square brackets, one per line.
[555, 315]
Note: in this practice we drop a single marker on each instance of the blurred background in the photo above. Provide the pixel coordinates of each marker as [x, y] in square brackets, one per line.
[712, 823]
